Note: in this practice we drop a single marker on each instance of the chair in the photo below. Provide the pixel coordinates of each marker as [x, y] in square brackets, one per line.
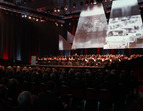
[34, 88]
[65, 91]
[26, 86]
[66, 95]
[42, 87]
[91, 99]
[78, 96]
[105, 99]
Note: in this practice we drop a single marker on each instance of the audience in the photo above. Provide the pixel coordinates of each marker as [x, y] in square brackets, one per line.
[38, 88]
[85, 60]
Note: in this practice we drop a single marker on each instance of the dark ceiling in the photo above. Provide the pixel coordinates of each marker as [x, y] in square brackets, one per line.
[65, 6]
[53, 9]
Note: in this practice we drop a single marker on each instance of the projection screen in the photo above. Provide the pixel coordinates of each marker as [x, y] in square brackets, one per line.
[125, 26]
[91, 28]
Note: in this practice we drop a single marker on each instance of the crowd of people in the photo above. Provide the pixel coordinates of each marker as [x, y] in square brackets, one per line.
[85, 60]
[39, 88]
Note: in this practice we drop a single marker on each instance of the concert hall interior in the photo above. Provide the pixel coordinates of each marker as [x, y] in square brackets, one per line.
[71, 55]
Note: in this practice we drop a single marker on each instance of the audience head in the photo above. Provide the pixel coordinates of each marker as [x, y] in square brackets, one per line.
[12, 83]
[3, 92]
[78, 75]
[24, 99]
[50, 85]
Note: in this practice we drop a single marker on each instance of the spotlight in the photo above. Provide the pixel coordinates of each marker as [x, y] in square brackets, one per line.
[65, 8]
[25, 16]
[22, 16]
[37, 20]
[94, 2]
[42, 20]
[29, 17]
[55, 10]
[56, 24]
[58, 10]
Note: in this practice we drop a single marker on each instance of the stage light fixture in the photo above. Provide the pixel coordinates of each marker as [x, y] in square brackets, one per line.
[58, 10]
[25, 16]
[29, 17]
[22, 16]
[55, 10]
[37, 20]
[94, 2]
[42, 20]
[56, 24]
[65, 8]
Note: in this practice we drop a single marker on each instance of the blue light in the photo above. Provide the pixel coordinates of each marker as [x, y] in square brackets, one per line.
[25, 16]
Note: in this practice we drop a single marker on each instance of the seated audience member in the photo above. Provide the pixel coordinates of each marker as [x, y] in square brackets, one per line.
[134, 83]
[13, 89]
[25, 101]
[63, 75]
[71, 74]
[48, 101]
[77, 82]
[3, 98]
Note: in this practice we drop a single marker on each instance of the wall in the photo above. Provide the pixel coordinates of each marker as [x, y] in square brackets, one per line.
[20, 38]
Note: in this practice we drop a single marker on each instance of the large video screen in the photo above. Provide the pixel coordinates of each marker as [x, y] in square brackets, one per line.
[91, 28]
[125, 26]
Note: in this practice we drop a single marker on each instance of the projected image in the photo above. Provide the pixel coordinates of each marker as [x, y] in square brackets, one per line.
[70, 37]
[91, 29]
[63, 44]
[124, 30]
